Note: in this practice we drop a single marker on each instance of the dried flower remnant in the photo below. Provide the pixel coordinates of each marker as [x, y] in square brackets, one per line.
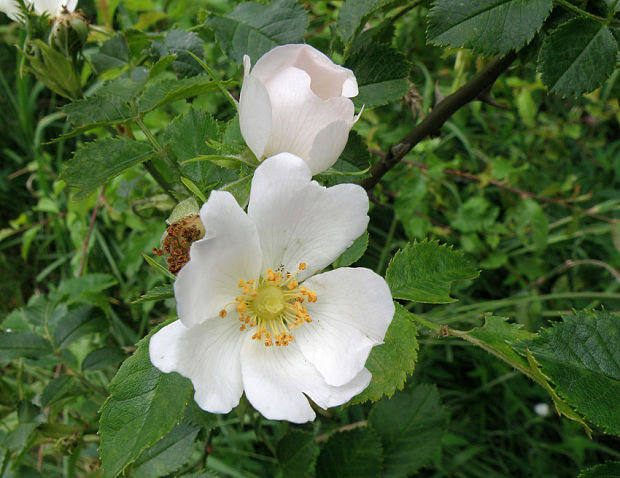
[178, 239]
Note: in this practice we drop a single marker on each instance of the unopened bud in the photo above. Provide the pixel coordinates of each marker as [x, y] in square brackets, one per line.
[70, 32]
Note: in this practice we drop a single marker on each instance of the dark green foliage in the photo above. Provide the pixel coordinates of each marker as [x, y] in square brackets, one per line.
[354, 453]
[113, 53]
[296, 452]
[490, 27]
[411, 425]
[381, 74]
[577, 57]
[15, 345]
[353, 253]
[103, 358]
[168, 454]
[253, 29]
[179, 43]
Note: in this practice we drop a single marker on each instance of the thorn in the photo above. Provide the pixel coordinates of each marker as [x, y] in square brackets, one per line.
[438, 96]
[485, 97]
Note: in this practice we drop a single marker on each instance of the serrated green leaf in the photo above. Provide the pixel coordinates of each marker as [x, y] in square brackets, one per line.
[355, 13]
[391, 362]
[610, 469]
[77, 323]
[188, 137]
[353, 253]
[295, 452]
[160, 292]
[22, 344]
[103, 358]
[168, 454]
[143, 406]
[98, 111]
[113, 53]
[98, 162]
[410, 425]
[381, 74]
[490, 27]
[561, 406]
[424, 272]
[577, 57]
[254, 29]
[581, 356]
[496, 337]
[353, 453]
[168, 91]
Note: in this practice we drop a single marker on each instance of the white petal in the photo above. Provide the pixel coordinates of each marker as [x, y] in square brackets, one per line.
[70, 4]
[52, 7]
[255, 114]
[352, 313]
[275, 60]
[349, 88]
[299, 220]
[229, 251]
[11, 8]
[327, 78]
[275, 380]
[208, 354]
[298, 114]
[327, 145]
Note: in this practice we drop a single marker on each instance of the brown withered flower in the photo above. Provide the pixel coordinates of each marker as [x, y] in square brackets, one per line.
[178, 239]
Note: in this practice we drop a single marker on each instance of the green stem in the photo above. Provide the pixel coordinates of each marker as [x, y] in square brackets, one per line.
[162, 153]
[579, 11]
[214, 77]
[426, 323]
[436, 118]
[159, 179]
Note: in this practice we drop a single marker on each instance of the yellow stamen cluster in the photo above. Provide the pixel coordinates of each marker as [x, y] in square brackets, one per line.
[274, 304]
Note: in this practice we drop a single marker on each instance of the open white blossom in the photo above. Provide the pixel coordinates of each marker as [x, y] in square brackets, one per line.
[53, 8]
[296, 100]
[255, 316]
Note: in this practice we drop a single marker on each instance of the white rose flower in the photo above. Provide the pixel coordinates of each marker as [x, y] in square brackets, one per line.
[253, 316]
[53, 7]
[296, 100]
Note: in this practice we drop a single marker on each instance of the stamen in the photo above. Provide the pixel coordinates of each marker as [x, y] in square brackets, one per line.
[274, 305]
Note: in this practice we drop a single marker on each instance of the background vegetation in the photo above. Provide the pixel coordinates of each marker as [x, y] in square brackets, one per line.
[527, 189]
